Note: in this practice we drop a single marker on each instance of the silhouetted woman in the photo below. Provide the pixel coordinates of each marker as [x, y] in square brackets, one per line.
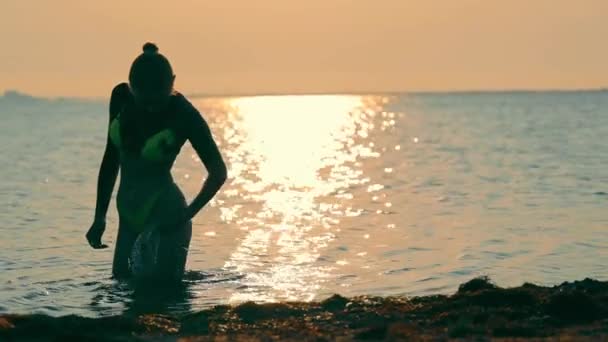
[149, 123]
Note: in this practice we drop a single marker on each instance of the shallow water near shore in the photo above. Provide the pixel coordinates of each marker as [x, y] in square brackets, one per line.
[376, 195]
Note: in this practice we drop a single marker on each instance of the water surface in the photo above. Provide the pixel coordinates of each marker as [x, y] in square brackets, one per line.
[381, 195]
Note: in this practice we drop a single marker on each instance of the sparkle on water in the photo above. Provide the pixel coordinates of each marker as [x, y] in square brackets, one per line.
[292, 153]
[379, 195]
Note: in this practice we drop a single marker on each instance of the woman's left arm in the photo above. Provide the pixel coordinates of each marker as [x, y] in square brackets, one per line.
[201, 139]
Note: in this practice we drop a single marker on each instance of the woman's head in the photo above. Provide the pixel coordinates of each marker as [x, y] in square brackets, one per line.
[151, 79]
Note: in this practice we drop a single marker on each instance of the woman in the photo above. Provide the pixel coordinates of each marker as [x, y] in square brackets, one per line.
[149, 123]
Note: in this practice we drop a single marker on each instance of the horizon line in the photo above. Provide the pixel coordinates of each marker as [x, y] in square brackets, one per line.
[334, 93]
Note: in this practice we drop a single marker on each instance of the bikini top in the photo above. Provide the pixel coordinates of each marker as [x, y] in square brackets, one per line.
[160, 147]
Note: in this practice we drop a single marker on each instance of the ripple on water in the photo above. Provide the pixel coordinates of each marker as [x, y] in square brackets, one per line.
[398, 271]
[326, 194]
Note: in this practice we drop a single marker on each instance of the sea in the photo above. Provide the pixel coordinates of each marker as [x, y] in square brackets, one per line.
[378, 195]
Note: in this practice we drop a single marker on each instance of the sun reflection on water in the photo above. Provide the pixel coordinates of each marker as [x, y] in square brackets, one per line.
[292, 159]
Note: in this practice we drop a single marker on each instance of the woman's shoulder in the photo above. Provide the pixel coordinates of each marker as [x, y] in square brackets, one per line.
[120, 94]
[189, 117]
[183, 107]
[121, 89]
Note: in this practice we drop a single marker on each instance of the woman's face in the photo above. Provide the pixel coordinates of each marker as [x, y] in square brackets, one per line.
[153, 98]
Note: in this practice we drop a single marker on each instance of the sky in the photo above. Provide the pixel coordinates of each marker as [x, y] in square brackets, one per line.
[83, 47]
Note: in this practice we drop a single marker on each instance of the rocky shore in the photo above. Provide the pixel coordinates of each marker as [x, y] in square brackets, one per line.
[479, 310]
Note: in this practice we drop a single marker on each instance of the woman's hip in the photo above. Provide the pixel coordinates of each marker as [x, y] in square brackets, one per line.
[142, 209]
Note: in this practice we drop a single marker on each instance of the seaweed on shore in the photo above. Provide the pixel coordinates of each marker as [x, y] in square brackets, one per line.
[478, 309]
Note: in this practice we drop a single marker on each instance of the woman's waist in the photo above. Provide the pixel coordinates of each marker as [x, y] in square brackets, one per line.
[137, 191]
[139, 176]
[138, 188]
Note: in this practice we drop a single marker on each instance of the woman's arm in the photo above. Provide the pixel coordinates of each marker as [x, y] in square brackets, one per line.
[106, 177]
[201, 139]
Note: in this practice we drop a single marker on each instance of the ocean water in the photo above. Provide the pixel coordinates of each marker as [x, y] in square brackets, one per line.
[377, 195]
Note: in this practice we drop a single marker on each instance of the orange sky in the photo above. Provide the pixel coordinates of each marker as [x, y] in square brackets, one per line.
[82, 48]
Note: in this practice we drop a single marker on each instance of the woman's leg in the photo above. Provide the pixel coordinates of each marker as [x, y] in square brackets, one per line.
[173, 252]
[124, 244]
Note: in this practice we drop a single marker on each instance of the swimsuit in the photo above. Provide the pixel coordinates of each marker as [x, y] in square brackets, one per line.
[157, 148]
[160, 147]
[147, 195]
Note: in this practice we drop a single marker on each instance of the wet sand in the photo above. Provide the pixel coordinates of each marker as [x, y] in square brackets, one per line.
[478, 310]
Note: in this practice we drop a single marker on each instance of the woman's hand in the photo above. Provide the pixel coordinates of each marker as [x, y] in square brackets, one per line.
[94, 235]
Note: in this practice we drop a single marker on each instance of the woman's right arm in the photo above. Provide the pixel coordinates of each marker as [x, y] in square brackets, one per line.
[108, 171]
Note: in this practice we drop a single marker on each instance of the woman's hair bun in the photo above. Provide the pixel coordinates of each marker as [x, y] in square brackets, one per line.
[150, 48]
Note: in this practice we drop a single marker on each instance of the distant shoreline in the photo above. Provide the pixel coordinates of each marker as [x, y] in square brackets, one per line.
[17, 94]
[479, 309]
[396, 93]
